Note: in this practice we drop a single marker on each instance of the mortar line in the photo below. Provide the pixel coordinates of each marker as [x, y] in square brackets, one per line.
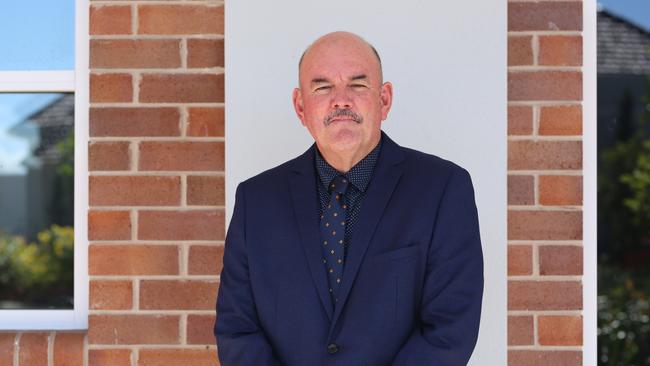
[17, 348]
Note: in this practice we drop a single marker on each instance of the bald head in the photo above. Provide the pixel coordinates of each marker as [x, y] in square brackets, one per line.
[340, 40]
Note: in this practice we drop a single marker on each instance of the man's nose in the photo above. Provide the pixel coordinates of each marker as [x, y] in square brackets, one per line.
[341, 98]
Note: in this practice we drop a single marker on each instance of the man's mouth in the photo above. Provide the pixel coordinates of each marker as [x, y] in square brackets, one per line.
[337, 119]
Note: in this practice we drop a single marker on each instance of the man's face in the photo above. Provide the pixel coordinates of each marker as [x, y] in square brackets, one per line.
[341, 99]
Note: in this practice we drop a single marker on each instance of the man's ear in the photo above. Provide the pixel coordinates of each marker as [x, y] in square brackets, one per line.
[298, 106]
[386, 99]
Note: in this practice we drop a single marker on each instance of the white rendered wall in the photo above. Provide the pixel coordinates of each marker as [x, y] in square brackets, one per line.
[447, 62]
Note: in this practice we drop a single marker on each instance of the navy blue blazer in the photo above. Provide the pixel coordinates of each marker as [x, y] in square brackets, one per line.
[412, 282]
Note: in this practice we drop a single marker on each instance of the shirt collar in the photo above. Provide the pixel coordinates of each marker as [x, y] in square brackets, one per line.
[359, 175]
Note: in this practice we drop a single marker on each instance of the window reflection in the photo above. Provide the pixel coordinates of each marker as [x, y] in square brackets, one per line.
[623, 190]
[36, 200]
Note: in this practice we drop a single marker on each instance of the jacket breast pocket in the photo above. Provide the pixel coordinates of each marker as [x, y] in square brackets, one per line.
[395, 279]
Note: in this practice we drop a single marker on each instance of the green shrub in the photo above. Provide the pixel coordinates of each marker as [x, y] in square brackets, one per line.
[39, 272]
[623, 317]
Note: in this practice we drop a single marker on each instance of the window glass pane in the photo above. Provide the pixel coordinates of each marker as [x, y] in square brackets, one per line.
[623, 183]
[36, 200]
[37, 35]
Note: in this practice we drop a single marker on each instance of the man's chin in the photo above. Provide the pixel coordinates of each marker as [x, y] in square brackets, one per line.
[346, 145]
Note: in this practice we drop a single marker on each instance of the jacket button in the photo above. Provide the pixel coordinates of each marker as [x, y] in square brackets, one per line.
[332, 348]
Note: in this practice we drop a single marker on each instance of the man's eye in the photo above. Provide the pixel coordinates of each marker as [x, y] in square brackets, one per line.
[322, 88]
[358, 86]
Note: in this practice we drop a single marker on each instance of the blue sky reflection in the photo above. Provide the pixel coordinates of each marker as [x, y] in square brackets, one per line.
[17, 138]
[37, 35]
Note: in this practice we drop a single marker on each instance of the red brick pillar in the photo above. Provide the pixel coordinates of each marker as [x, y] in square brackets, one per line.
[545, 183]
[156, 156]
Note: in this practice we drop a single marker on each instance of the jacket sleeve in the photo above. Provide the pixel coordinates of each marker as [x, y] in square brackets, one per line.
[240, 340]
[453, 287]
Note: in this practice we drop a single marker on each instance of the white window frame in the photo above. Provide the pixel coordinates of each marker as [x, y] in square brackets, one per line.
[63, 81]
[589, 188]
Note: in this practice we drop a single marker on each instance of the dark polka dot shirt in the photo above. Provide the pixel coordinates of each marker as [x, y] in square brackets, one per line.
[359, 177]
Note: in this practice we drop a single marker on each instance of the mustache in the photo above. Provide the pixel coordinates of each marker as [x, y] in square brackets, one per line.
[339, 112]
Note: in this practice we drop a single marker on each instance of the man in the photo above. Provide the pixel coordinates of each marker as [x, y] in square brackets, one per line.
[359, 251]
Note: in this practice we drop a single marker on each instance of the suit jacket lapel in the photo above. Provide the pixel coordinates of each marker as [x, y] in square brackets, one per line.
[305, 205]
[385, 177]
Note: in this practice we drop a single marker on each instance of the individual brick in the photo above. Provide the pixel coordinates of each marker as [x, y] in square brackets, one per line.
[133, 329]
[544, 358]
[520, 260]
[200, 329]
[178, 294]
[180, 19]
[109, 155]
[134, 190]
[544, 85]
[33, 349]
[181, 225]
[205, 190]
[559, 330]
[560, 120]
[205, 53]
[111, 295]
[109, 225]
[68, 349]
[544, 225]
[545, 16]
[132, 260]
[182, 88]
[206, 122]
[543, 155]
[135, 54]
[560, 190]
[205, 259]
[520, 120]
[110, 88]
[7, 348]
[181, 156]
[560, 260]
[521, 190]
[544, 295]
[109, 357]
[560, 50]
[520, 331]
[173, 357]
[520, 50]
[110, 20]
[108, 122]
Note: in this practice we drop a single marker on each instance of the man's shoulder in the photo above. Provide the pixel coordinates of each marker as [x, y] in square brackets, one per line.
[429, 164]
[428, 175]
[418, 163]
